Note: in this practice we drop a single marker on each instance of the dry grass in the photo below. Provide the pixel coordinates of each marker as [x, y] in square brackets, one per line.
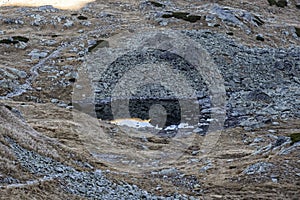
[46, 190]
[66, 136]
[67, 5]
[84, 135]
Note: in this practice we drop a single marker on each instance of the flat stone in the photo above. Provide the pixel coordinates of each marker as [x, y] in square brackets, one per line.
[37, 54]
[258, 168]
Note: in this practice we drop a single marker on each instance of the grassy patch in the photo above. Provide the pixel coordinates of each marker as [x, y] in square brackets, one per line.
[295, 137]
[272, 2]
[281, 3]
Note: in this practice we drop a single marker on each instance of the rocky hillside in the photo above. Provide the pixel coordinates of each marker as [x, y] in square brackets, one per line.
[218, 80]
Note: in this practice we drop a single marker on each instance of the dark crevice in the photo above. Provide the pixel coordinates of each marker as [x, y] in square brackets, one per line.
[156, 4]
[184, 16]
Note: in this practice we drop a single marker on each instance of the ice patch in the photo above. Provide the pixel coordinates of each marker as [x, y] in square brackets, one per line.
[133, 122]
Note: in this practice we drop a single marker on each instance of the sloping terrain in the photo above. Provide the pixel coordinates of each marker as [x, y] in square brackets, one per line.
[50, 148]
[256, 164]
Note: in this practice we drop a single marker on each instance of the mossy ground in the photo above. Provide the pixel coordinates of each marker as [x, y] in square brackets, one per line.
[295, 137]
[272, 2]
[280, 3]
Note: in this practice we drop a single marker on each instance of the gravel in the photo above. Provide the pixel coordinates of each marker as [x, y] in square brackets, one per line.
[260, 167]
[262, 84]
[92, 185]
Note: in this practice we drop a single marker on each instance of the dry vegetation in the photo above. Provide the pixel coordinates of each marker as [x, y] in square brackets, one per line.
[59, 133]
[224, 179]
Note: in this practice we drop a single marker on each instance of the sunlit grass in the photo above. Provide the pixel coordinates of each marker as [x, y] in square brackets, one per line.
[61, 4]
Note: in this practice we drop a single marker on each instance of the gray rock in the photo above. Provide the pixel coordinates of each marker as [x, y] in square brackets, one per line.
[68, 24]
[206, 167]
[37, 54]
[69, 107]
[163, 22]
[236, 17]
[9, 180]
[226, 14]
[62, 105]
[19, 73]
[21, 45]
[284, 65]
[86, 23]
[72, 75]
[49, 69]
[258, 139]
[259, 168]
[68, 67]
[198, 130]
[15, 111]
[260, 37]
[297, 4]
[12, 21]
[79, 87]
[294, 147]
[47, 8]
[5, 74]
[264, 150]
[258, 95]
[281, 140]
[38, 20]
[48, 42]
[168, 171]
[9, 85]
